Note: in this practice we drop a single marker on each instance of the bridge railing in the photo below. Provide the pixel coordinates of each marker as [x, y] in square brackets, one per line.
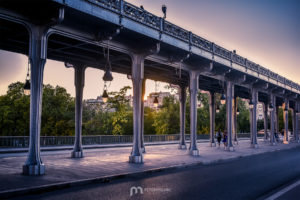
[142, 16]
[23, 141]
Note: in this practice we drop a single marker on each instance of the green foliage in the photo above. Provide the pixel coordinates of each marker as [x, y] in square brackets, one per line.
[166, 119]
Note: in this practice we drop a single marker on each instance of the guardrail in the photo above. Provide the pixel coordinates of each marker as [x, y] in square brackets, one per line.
[125, 9]
[23, 141]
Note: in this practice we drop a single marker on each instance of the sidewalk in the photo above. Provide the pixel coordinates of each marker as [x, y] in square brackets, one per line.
[110, 163]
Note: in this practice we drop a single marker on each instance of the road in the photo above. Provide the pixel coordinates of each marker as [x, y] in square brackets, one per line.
[246, 178]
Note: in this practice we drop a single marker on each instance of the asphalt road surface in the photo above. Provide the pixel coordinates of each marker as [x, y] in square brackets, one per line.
[246, 178]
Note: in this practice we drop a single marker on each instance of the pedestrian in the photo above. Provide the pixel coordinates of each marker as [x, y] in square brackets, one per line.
[225, 138]
[219, 137]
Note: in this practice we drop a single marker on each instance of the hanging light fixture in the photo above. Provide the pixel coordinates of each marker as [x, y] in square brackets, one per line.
[107, 75]
[251, 106]
[223, 99]
[27, 81]
[155, 102]
[237, 111]
[218, 109]
[105, 95]
[271, 108]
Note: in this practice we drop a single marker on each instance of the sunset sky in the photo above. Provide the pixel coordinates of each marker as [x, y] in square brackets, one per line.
[264, 31]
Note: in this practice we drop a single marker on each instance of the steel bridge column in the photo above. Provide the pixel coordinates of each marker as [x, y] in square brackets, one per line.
[296, 138]
[286, 121]
[137, 82]
[37, 55]
[229, 98]
[182, 99]
[272, 120]
[79, 85]
[297, 121]
[253, 122]
[277, 119]
[235, 140]
[142, 117]
[265, 110]
[194, 81]
[212, 118]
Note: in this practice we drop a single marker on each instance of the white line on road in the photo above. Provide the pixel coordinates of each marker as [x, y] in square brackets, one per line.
[284, 190]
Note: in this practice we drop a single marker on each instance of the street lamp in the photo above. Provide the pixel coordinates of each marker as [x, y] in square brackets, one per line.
[27, 82]
[218, 109]
[107, 75]
[164, 10]
[223, 99]
[271, 108]
[251, 106]
[155, 102]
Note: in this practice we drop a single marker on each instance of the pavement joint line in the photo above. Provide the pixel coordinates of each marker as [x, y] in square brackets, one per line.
[104, 179]
[283, 191]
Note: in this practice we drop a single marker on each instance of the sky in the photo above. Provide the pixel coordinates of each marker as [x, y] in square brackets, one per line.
[266, 32]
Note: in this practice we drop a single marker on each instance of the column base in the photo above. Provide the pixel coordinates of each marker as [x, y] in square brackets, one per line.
[285, 142]
[182, 146]
[34, 170]
[136, 159]
[77, 154]
[194, 152]
[143, 150]
[213, 144]
[254, 146]
[229, 148]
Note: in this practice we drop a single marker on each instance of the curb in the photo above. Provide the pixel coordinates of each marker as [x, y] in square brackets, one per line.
[105, 179]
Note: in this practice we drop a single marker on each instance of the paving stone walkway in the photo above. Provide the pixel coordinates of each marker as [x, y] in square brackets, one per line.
[113, 161]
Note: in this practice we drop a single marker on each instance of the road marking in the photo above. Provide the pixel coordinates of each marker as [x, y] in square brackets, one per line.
[284, 190]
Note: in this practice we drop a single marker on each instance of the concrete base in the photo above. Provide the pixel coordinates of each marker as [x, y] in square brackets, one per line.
[285, 142]
[182, 146]
[136, 159]
[229, 148]
[77, 154]
[254, 146]
[34, 170]
[194, 152]
[213, 144]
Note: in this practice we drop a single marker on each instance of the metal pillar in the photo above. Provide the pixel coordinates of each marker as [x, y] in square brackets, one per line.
[212, 118]
[194, 81]
[182, 99]
[79, 84]
[137, 81]
[272, 120]
[37, 55]
[295, 133]
[229, 98]
[253, 122]
[286, 121]
[142, 117]
[265, 110]
[297, 121]
[277, 118]
[234, 125]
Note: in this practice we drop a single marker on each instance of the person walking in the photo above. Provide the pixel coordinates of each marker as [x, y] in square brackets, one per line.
[219, 137]
[225, 138]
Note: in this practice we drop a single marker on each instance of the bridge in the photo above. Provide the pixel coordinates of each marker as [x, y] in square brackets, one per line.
[143, 46]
